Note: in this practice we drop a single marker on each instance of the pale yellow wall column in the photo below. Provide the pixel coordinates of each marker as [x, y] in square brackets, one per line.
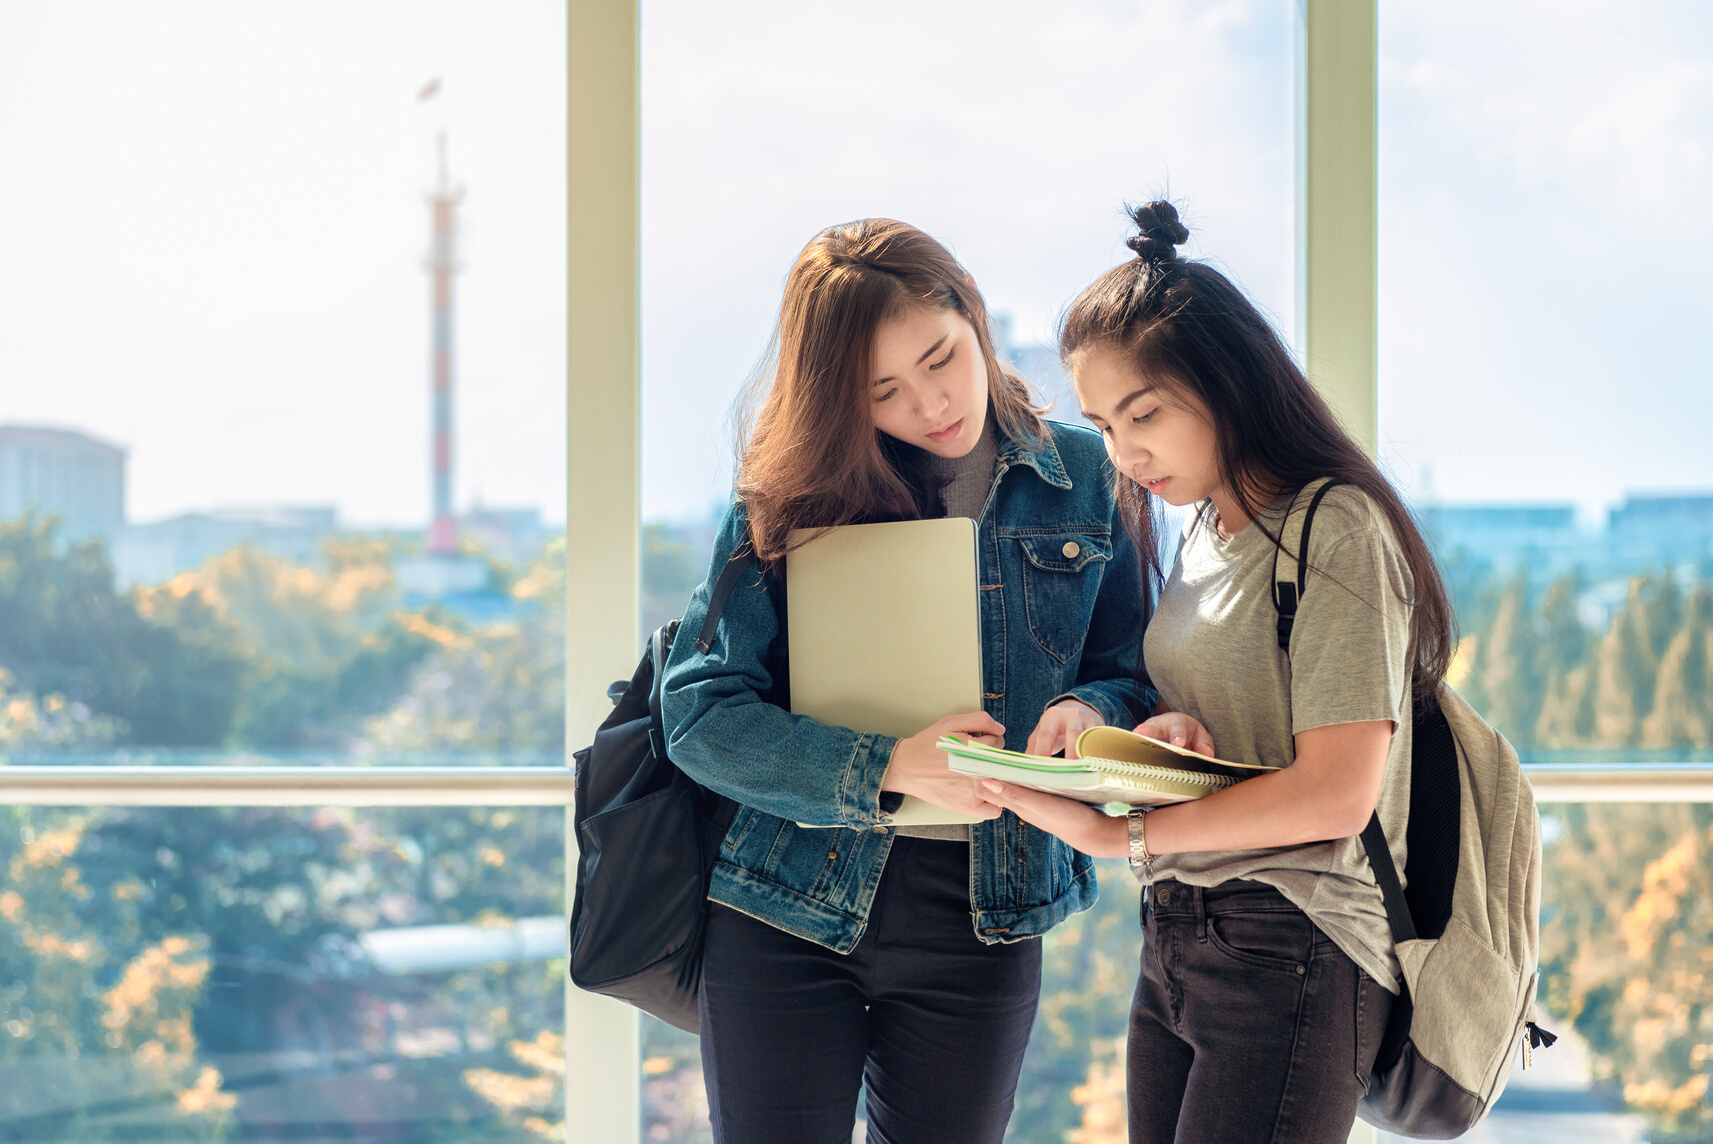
[1337, 49]
[601, 1085]
[1337, 231]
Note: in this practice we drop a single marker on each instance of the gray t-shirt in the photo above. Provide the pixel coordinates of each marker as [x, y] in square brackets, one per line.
[1212, 649]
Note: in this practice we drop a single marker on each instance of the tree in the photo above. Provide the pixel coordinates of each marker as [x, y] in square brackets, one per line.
[1682, 714]
[167, 676]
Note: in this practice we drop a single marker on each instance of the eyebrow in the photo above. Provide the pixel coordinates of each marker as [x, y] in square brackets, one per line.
[926, 354]
[1125, 404]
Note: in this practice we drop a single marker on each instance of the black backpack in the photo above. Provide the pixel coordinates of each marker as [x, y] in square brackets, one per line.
[647, 839]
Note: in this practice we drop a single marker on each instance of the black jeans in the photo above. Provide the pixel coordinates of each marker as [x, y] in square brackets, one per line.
[1249, 1024]
[933, 1020]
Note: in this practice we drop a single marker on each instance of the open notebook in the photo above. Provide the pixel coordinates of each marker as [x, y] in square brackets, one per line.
[1115, 766]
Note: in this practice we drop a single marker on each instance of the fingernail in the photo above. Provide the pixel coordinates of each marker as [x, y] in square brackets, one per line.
[992, 786]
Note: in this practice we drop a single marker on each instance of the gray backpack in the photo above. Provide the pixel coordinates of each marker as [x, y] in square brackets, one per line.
[1467, 929]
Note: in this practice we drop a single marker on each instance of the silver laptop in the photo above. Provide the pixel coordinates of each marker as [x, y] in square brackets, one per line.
[885, 632]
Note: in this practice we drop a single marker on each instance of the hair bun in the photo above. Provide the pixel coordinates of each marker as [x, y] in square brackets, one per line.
[1159, 232]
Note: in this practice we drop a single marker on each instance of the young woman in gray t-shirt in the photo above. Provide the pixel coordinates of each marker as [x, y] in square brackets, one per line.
[1267, 969]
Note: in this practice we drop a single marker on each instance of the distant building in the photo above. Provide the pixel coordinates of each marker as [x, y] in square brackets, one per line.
[64, 474]
[155, 553]
[514, 535]
[1039, 365]
[1663, 529]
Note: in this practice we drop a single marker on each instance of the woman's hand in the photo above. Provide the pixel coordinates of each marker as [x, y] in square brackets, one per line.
[1059, 727]
[920, 768]
[1076, 823]
[1180, 730]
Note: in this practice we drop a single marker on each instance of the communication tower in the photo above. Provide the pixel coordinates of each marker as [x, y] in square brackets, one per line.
[442, 265]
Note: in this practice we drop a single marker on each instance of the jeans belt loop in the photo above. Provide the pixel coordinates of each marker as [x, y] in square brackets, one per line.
[1201, 914]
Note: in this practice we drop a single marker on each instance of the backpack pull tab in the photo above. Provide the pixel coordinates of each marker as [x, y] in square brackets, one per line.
[1285, 596]
[1535, 1037]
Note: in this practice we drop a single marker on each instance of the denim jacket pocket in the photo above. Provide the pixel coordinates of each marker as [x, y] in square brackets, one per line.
[1061, 578]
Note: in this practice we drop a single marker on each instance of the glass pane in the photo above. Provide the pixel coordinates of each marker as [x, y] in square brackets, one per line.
[1014, 135]
[281, 447]
[1543, 350]
[1626, 893]
[194, 975]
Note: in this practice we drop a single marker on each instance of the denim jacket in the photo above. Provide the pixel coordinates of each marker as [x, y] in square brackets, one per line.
[1057, 621]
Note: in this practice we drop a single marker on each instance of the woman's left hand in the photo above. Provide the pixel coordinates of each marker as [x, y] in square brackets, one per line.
[1076, 823]
[1059, 727]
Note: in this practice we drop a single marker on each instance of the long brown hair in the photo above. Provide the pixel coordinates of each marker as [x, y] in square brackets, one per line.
[809, 455]
[1188, 327]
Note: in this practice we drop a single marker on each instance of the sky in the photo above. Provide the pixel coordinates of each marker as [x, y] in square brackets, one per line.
[212, 234]
[212, 222]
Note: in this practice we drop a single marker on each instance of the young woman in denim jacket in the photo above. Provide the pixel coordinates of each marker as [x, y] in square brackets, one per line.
[906, 957]
[1268, 967]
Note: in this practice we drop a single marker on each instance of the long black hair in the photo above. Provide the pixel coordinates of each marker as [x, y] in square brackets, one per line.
[1187, 327]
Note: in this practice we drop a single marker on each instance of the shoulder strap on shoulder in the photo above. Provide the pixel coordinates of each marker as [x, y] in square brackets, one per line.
[1288, 591]
[723, 587]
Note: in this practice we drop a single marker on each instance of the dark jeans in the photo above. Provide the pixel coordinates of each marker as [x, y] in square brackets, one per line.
[933, 1020]
[1249, 1024]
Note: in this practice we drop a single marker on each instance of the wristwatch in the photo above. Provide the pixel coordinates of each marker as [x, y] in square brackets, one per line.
[1141, 862]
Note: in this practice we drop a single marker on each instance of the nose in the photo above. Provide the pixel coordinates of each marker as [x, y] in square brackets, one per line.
[931, 401]
[1127, 459]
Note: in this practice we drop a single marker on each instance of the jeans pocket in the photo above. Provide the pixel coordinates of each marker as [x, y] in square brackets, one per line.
[1373, 1013]
[1269, 939]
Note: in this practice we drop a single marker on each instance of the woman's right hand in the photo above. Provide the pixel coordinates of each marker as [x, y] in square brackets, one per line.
[920, 768]
[1180, 730]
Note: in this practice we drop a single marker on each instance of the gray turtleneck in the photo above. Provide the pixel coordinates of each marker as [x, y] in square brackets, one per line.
[967, 481]
[969, 477]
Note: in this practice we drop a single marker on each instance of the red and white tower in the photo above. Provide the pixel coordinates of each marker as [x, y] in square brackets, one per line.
[442, 264]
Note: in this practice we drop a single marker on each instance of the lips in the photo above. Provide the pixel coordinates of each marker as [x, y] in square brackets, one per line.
[1154, 486]
[941, 436]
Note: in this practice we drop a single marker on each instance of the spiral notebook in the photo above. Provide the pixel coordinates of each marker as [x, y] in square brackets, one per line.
[1114, 765]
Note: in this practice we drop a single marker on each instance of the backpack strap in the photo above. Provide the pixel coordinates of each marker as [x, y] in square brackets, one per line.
[723, 587]
[1287, 594]
[660, 644]
[1386, 874]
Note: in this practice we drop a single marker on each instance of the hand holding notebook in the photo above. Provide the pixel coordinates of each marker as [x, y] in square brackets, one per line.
[1115, 765]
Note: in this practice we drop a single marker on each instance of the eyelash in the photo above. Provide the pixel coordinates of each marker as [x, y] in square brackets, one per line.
[1146, 417]
[931, 365]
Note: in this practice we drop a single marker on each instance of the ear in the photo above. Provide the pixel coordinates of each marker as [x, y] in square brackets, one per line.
[969, 280]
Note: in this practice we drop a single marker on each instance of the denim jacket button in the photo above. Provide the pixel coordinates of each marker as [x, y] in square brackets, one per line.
[1071, 549]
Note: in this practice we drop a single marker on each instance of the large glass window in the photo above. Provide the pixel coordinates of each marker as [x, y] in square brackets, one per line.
[281, 444]
[1014, 133]
[1543, 183]
[282, 461]
[1543, 224]
[324, 974]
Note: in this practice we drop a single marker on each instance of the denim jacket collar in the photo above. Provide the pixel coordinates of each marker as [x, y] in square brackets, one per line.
[1045, 460]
